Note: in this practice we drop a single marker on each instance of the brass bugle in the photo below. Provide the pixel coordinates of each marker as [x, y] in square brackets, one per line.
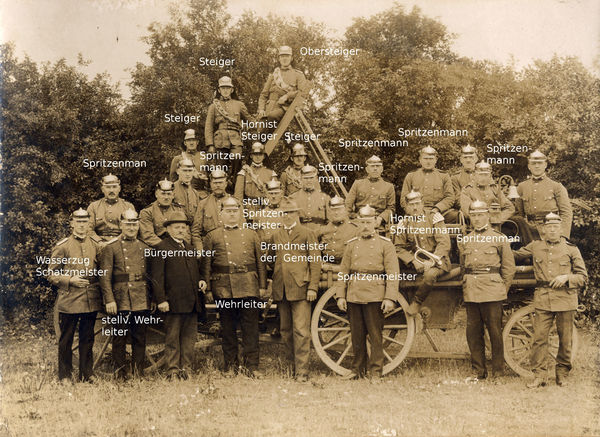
[421, 255]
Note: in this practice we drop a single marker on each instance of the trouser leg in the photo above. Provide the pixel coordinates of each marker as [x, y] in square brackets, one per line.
[358, 334]
[301, 328]
[285, 312]
[189, 333]
[475, 337]
[138, 342]
[539, 349]
[172, 343]
[429, 278]
[373, 317]
[564, 326]
[235, 164]
[250, 351]
[86, 345]
[118, 345]
[228, 318]
[67, 323]
[492, 317]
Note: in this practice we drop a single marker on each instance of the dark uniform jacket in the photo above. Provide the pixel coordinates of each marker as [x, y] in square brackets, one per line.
[489, 266]
[223, 123]
[200, 164]
[291, 180]
[541, 196]
[336, 237]
[434, 185]
[72, 254]
[313, 207]
[104, 218]
[127, 274]
[379, 194]
[295, 278]
[268, 221]
[374, 256]
[549, 261]
[152, 218]
[175, 278]
[248, 178]
[460, 180]
[489, 194]
[187, 198]
[236, 269]
[207, 218]
[282, 82]
[426, 234]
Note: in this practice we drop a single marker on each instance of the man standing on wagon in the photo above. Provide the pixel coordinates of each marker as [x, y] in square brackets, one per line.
[371, 290]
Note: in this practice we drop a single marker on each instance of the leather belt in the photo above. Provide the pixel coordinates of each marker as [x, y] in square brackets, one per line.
[228, 126]
[234, 269]
[128, 277]
[367, 272]
[481, 271]
[317, 220]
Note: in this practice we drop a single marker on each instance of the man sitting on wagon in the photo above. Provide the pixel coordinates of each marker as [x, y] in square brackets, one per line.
[425, 230]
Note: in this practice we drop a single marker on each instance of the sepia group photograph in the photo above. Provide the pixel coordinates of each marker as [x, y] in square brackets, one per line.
[299, 218]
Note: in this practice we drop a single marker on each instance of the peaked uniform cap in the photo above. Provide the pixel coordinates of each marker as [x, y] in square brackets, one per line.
[308, 171]
[552, 218]
[285, 50]
[129, 216]
[165, 185]
[176, 217]
[189, 134]
[273, 185]
[230, 203]
[217, 174]
[413, 197]
[185, 162]
[366, 212]
[257, 148]
[337, 202]
[483, 167]
[428, 151]
[468, 150]
[537, 156]
[225, 81]
[374, 160]
[80, 214]
[288, 205]
[298, 150]
[478, 206]
[110, 179]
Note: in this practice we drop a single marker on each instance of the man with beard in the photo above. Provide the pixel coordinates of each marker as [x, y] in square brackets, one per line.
[311, 200]
[208, 214]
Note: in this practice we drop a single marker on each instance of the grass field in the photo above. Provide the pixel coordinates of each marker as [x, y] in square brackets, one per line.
[423, 397]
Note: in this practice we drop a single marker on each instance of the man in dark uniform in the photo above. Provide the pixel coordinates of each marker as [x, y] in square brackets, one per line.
[422, 230]
[251, 179]
[434, 185]
[237, 277]
[468, 159]
[105, 213]
[336, 234]
[484, 188]
[270, 219]
[74, 271]
[126, 292]
[152, 230]
[373, 191]
[311, 200]
[560, 272]
[281, 87]
[190, 151]
[223, 126]
[183, 193]
[291, 178]
[295, 283]
[175, 282]
[371, 263]
[489, 267]
[540, 195]
[208, 213]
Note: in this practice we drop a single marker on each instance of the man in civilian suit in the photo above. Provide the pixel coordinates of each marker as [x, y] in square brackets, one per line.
[176, 279]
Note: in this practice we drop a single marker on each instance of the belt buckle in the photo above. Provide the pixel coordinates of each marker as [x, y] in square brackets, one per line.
[137, 277]
[240, 269]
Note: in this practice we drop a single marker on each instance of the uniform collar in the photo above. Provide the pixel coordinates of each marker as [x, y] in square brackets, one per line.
[111, 202]
[124, 238]
[553, 243]
[374, 179]
[427, 170]
[538, 178]
[366, 237]
[256, 165]
[79, 237]
[482, 187]
[481, 230]
[468, 171]
[291, 227]
[230, 227]
[289, 67]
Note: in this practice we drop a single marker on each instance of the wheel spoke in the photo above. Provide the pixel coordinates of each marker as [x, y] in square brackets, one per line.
[524, 328]
[344, 353]
[395, 326]
[518, 348]
[387, 355]
[335, 316]
[385, 337]
[328, 345]
[523, 338]
[334, 328]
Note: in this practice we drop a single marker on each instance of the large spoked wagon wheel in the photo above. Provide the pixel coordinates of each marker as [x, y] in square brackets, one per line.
[155, 348]
[518, 339]
[330, 330]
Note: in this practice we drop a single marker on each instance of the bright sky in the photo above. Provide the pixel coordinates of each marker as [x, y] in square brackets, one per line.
[108, 32]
